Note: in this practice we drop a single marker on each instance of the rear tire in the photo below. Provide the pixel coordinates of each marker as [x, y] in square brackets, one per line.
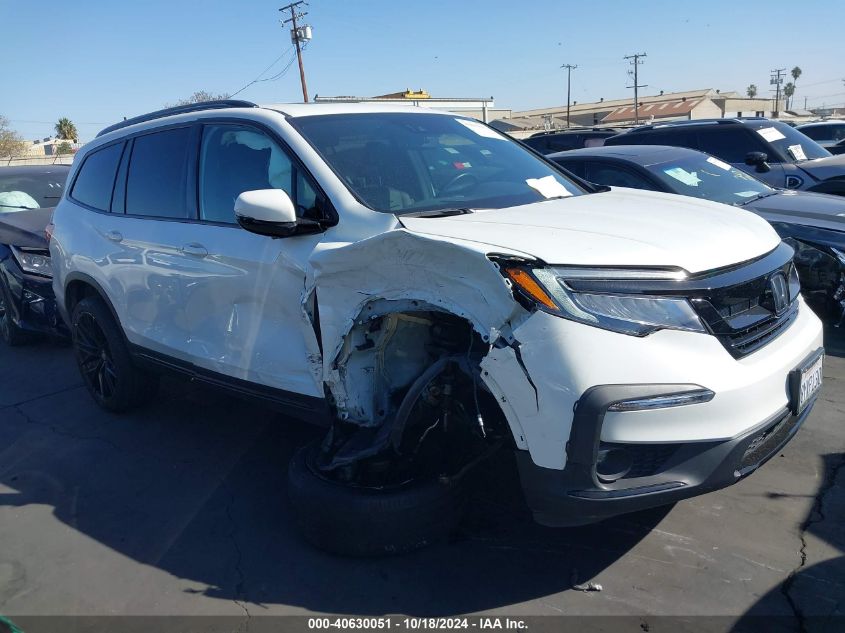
[11, 334]
[352, 521]
[108, 372]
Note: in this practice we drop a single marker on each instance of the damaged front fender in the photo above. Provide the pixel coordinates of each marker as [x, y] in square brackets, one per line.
[417, 273]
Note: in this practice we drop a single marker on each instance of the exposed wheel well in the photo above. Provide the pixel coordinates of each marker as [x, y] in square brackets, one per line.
[76, 291]
[408, 396]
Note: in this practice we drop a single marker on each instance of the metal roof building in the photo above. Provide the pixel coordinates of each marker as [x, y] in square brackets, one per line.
[693, 104]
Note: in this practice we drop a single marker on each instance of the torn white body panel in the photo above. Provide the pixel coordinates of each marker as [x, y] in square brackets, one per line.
[416, 273]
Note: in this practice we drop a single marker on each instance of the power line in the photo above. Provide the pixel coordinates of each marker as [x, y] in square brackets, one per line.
[258, 79]
[274, 77]
[635, 62]
[569, 68]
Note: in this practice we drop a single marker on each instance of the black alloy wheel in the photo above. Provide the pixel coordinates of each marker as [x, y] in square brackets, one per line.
[94, 358]
[109, 374]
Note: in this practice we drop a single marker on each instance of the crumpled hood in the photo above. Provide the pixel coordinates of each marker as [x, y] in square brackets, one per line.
[824, 168]
[802, 207]
[25, 228]
[621, 227]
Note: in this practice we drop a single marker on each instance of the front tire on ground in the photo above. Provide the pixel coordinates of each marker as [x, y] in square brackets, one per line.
[353, 521]
[111, 378]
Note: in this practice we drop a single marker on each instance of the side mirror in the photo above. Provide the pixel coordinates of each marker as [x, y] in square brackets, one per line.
[758, 160]
[271, 212]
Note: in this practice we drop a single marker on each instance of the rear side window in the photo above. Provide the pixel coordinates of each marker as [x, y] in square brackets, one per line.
[616, 176]
[95, 182]
[825, 132]
[574, 166]
[540, 143]
[157, 181]
[731, 144]
[565, 142]
[816, 133]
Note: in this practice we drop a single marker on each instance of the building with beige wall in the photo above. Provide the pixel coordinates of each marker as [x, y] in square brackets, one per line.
[690, 105]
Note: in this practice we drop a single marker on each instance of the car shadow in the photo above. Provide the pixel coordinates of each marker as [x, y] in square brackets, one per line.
[815, 591]
[834, 340]
[195, 485]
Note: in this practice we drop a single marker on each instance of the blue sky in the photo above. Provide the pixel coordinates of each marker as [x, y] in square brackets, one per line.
[96, 61]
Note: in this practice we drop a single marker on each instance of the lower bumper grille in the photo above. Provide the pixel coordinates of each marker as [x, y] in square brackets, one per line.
[645, 459]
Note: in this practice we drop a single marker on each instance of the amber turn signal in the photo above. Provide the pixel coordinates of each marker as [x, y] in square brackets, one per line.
[526, 282]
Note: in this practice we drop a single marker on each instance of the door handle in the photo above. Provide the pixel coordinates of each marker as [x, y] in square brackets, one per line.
[194, 249]
[114, 236]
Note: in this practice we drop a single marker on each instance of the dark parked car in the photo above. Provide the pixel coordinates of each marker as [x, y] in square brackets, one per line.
[27, 197]
[772, 151]
[828, 134]
[813, 223]
[573, 138]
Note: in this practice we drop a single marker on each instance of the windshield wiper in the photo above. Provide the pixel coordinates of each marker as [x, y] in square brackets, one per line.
[15, 206]
[742, 203]
[436, 213]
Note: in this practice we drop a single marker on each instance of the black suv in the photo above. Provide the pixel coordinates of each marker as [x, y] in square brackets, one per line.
[770, 150]
[573, 138]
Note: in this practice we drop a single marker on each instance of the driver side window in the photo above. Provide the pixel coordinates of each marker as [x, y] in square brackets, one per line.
[236, 158]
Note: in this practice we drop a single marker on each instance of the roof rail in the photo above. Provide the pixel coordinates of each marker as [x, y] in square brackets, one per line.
[181, 109]
[686, 122]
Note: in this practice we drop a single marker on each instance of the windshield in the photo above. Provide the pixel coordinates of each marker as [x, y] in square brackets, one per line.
[30, 190]
[408, 162]
[709, 178]
[792, 144]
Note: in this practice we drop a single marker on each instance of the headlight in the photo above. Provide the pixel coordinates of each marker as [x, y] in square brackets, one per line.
[551, 289]
[33, 262]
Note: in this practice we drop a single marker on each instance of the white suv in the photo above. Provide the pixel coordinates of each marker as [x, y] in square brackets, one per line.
[431, 290]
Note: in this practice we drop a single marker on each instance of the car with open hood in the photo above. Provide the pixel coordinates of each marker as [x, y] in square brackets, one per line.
[27, 197]
[812, 223]
[432, 292]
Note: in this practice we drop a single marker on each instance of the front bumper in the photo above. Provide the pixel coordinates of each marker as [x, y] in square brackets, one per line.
[33, 304]
[577, 494]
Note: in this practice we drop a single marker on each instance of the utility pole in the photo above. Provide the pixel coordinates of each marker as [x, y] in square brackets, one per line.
[635, 62]
[776, 81]
[569, 68]
[296, 36]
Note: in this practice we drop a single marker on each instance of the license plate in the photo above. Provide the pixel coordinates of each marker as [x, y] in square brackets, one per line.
[806, 383]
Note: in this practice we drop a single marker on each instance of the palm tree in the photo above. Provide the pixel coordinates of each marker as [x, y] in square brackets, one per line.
[751, 91]
[796, 73]
[788, 91]
[66, 130]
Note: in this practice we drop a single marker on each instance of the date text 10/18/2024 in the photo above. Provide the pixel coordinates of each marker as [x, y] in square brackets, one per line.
[418, 624]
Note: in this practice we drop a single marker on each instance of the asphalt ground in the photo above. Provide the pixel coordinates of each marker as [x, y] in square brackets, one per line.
[179, 509]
